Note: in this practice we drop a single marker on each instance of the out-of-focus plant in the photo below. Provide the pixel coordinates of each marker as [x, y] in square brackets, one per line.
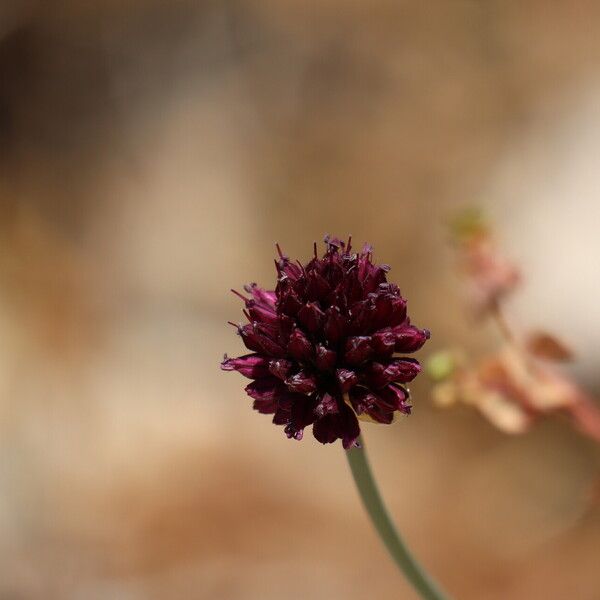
[519, 383]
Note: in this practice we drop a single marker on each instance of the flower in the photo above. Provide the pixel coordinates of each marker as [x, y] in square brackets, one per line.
[326, 345]
[490, 275]
[517, 385]
[513, 391]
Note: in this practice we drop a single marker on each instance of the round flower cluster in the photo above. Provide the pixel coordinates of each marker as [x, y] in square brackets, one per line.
[327, 345]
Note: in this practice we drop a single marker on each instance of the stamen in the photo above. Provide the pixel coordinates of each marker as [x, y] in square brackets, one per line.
[240, 295]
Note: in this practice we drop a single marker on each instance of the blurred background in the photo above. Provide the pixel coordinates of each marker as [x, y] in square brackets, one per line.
[151, 154]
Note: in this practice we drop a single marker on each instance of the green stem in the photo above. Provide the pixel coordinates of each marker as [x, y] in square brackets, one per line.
[367, 488]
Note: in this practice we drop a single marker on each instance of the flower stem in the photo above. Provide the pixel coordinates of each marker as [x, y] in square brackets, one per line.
[367, 488]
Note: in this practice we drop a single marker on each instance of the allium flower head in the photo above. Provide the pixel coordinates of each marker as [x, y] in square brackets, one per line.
[327, 345]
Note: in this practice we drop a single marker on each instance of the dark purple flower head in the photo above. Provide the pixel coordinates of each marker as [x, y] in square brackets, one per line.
[326, 343]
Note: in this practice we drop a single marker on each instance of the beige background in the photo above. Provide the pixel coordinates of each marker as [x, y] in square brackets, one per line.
[151, 153]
